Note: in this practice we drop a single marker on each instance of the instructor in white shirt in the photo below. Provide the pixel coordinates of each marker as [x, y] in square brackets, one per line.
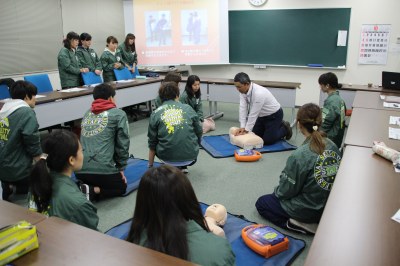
[260, 112]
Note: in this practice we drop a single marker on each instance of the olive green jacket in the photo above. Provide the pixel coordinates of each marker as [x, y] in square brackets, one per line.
[333, 118]
[128, 56]
[194, 102]
[69, 68]
[88, 59]
[108, 60]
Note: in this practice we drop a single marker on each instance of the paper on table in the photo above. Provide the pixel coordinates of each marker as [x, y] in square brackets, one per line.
[40, 96]
[396, 216]
[394, 133]
[394, 120]
[73, 90]
[391, 105]
[125, 81]
[382, 97]
[392, 99]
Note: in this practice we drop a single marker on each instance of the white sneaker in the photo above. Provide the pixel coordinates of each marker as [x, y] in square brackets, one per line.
[308, 228]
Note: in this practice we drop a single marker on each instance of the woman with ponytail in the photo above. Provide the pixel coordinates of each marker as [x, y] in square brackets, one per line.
[52, 190]
[306, 181]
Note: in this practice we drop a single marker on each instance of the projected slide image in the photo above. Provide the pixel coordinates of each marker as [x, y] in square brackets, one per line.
[194, 27]
[158, 28]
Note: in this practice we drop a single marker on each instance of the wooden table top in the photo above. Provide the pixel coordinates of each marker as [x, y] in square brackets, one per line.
[65, 243]
[12, 213]
[264, 83]
[355, 87]
[371, 100]
[369, 125]
[356, 227]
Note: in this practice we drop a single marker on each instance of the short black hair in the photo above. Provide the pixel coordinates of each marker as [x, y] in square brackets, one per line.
[173, 76]
[242, 78]
[168, 91]
[329, 79]
[103, 91]
[21, 89]
[85, 37]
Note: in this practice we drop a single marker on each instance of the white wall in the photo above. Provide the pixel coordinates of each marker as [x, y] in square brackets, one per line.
[363, 12]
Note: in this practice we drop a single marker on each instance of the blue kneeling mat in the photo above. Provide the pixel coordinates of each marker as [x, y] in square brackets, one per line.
[233, 229]
[133, 173]
[219, 146]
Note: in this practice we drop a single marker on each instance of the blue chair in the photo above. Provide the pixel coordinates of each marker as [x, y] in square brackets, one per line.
[41, 81]
[90, 78]
[136, 73]
[122, 74]
[4, 92]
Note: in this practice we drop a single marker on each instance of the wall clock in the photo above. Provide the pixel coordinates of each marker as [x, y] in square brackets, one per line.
[257, 2]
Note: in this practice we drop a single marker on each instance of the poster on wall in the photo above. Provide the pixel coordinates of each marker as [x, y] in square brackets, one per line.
[374, 44]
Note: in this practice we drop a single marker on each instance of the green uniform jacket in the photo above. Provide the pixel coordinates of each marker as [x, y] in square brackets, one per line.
[333, 115]
[108, 60]
[194, 103]
[306, 181]
[19, 143]
[157, 102]
[128, 56]
[88, 59]
[205, 248]
[69, 68]
[69, 203]
[105, 142]
[174, 132]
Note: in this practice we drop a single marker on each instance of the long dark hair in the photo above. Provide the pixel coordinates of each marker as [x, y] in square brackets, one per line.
[128, 46]
[70, 36]
[188, 88]
[84, 37]
[310, 118]
[164, 203]
[59, 146]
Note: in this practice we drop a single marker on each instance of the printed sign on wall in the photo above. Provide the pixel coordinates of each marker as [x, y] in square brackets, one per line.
[374, 44]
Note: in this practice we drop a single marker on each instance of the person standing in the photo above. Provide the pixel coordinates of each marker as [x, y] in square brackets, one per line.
[128, 52]
[260, 112]
[111, 59]
[87, 56]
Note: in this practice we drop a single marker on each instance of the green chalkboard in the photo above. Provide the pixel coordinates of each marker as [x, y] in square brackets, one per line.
[295, 37]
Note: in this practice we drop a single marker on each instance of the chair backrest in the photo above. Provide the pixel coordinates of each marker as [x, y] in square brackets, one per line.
[136, 73]
[41, 81]
[122, 74]
[90, 78]
[4, 92]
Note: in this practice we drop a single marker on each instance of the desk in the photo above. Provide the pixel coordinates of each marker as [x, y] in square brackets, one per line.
[12, 213]
[223, 90]
[65, 243]
[368, 125]
[59, 107]
[356, 228]
[371, 100]
[348, 93]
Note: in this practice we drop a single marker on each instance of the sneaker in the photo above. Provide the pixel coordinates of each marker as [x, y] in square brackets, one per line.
[304, 228]
[185, 171]
[289, 131]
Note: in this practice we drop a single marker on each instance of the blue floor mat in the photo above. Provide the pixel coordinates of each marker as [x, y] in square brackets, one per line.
[219, 146]
[133, 173]
[233, 228]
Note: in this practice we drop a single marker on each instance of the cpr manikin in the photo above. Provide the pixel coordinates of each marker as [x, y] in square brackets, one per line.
[216, 216]
[247, 141]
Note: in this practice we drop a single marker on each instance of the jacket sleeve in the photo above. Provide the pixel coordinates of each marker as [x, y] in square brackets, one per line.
[81, 59]
[198, 129]
[199, 110]
[106, 63]
[122, 142]
[65, 63]
[328, 118]
[290, 182]
[152, 132]
[30, 135]
[86, 216]
[98, 63]
[122, 60]
[135, 58]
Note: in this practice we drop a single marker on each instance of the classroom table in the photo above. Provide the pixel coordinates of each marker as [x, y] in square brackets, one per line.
[348, 93]
[356, 227]
[12, 213]
[368, 125]
[59, 107]
[371, 100]
[223, 90]
[65, 243]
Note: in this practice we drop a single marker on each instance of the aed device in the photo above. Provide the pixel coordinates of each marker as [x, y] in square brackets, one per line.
[264, 240]
[243, 155]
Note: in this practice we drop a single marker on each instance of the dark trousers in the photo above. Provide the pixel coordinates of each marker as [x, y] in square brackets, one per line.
[110, 185]
[270, 127]
[21, 187]
[269, 207]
